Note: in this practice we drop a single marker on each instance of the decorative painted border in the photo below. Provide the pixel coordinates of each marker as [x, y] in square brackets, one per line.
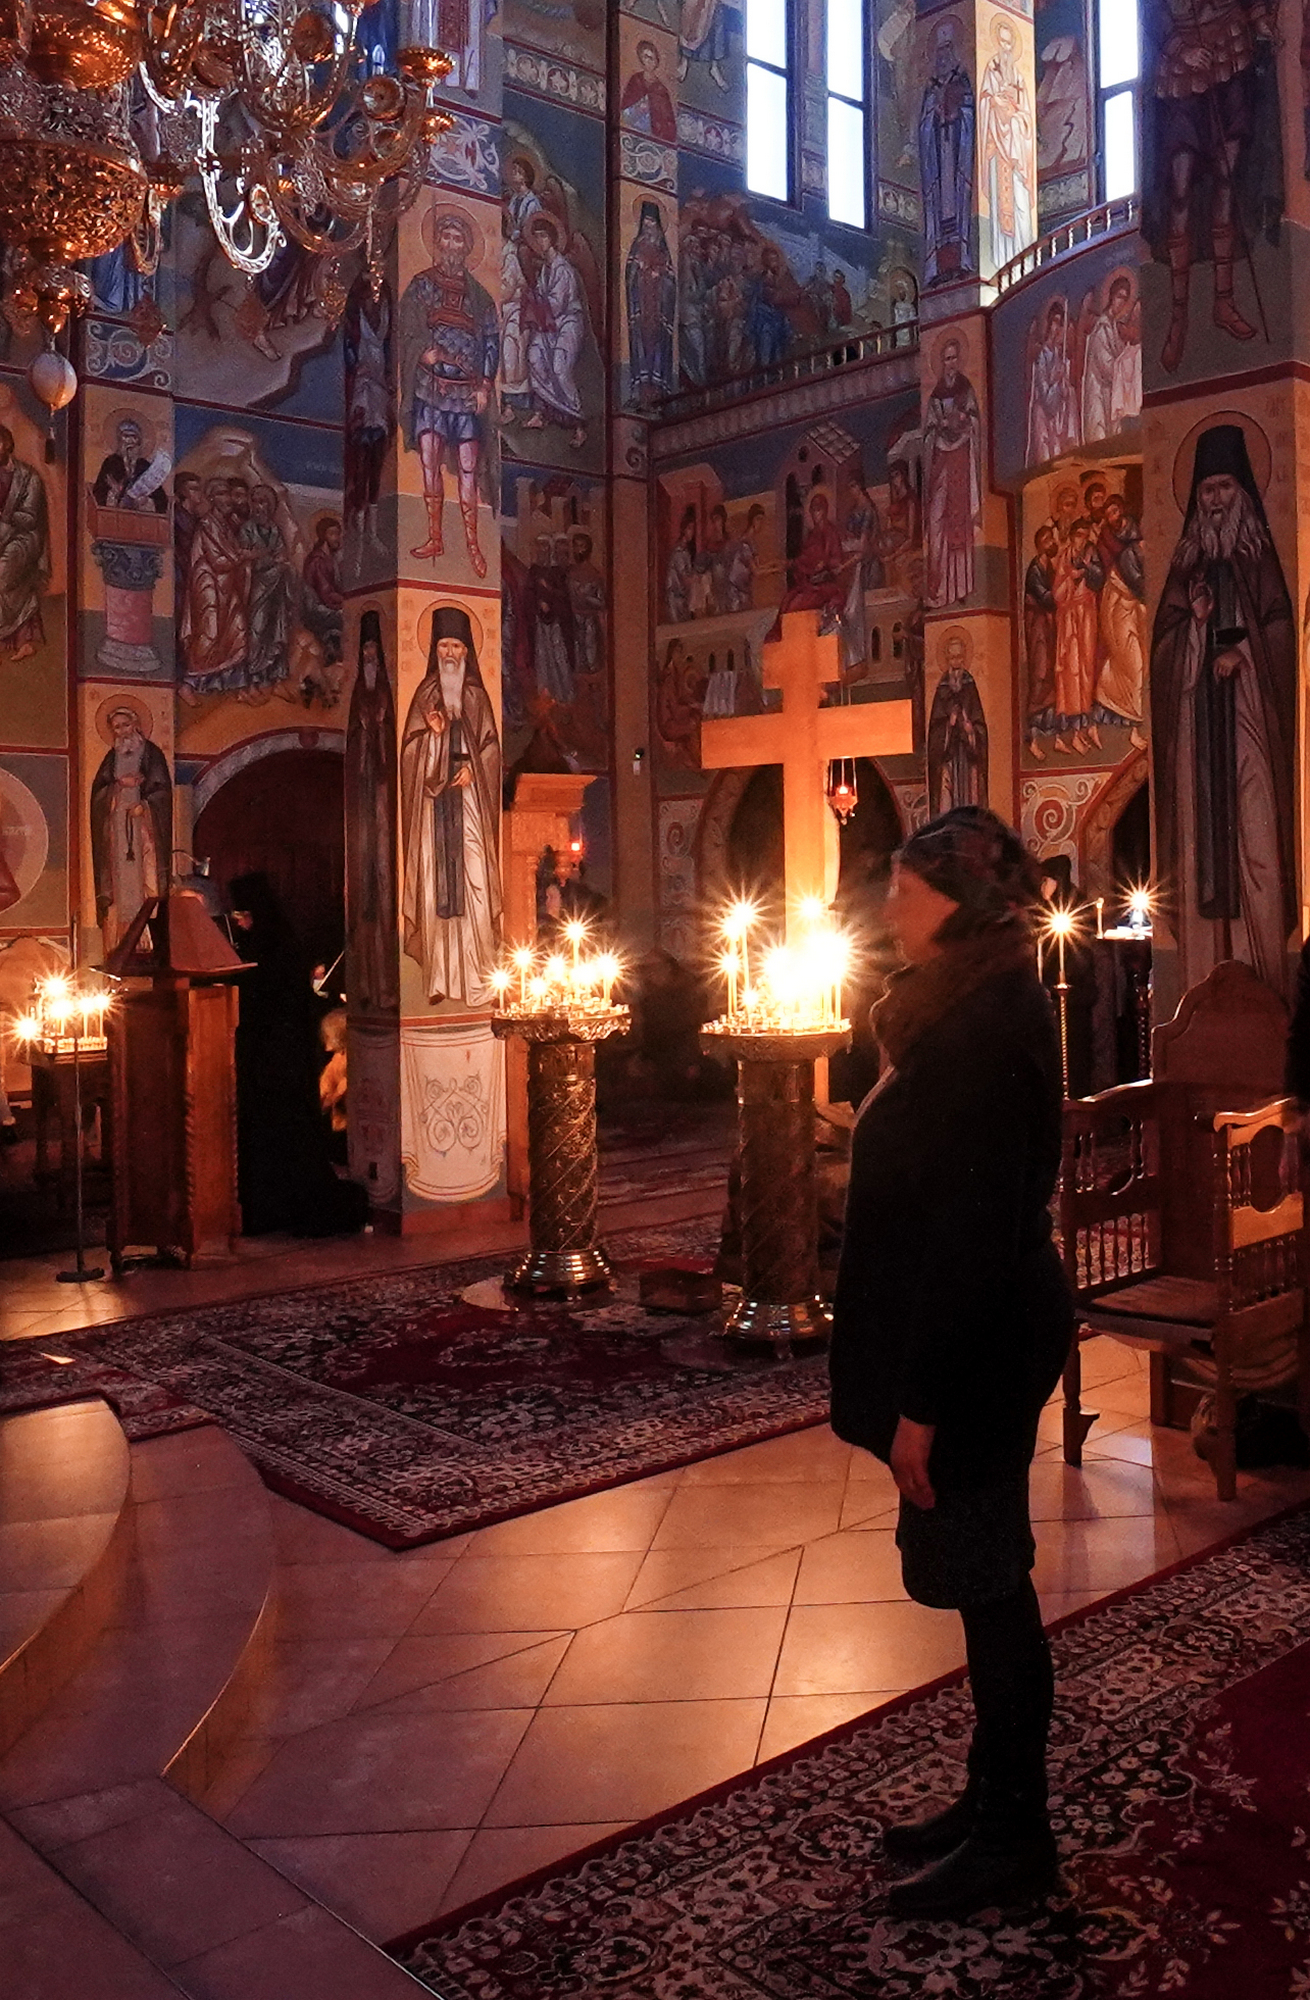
[467, 157]
[112, 353]
[646, 160]
[547, 76]
[715, 136]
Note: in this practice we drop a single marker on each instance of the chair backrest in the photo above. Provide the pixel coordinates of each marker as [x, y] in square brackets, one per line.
[1110, 1188]
[1228, 1040]
[1259, 1209]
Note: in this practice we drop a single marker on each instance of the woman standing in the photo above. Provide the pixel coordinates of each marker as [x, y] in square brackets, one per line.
[953, 1319]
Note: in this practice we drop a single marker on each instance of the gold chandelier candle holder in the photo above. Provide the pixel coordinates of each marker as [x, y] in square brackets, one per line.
[561, 1005]
[783, 1014]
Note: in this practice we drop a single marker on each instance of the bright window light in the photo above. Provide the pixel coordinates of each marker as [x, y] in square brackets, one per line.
[846, 48]
[1119, 115]
[1120, 57]
[846, 178]
[768, 153]
[766, 32]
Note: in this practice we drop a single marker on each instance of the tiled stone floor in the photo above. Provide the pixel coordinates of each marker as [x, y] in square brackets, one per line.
[438, 1723]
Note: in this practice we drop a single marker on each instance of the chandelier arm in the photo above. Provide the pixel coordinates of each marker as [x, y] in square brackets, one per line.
[314, 106]
[225, 224]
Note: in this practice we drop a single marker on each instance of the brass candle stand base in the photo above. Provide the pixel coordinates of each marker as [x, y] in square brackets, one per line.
[563, 1257]
[780, 1301]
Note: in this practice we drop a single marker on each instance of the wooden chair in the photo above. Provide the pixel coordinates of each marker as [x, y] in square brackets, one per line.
[1181, 1219]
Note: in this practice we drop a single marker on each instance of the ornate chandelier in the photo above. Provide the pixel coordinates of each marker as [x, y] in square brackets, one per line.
[107, 107]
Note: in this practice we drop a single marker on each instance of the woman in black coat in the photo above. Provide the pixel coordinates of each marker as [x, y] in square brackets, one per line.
[952, 1321]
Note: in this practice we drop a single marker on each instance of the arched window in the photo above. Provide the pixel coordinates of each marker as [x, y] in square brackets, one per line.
[1119, 62]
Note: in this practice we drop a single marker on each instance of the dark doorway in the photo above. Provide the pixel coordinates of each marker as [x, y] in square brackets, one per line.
[284, 817]
[1130, 842]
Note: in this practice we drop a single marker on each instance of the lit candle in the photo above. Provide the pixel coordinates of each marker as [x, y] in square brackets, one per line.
[728, 967]
[608, 968]
[523, 961]
[575, 932]
[557, 974]
[536, 991]
[500, 980]
[1100, 916]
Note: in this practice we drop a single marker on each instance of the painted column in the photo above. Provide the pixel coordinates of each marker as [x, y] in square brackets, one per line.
[977, 146]
[424, 754]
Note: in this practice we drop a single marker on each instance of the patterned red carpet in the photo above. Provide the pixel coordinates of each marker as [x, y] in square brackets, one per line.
[395, 1407]
[1181, 1798]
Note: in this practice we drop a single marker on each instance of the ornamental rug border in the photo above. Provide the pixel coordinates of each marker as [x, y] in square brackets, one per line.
[393, 1405]
[1180, 1797]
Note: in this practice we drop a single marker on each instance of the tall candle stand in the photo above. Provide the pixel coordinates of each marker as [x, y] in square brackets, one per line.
[780, 1298]
[777, 1026]
[561, 1013]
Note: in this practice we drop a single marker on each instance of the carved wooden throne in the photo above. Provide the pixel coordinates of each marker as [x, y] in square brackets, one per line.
[1181, 1214]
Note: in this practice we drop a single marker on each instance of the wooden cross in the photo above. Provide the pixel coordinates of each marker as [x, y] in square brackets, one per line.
[804, 737]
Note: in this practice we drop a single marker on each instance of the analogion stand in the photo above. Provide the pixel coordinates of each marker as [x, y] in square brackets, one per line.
[780, 1299]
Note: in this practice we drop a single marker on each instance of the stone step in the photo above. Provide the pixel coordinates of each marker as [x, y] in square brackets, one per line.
[53, 1945]
[102, 1785]
[65, 1541]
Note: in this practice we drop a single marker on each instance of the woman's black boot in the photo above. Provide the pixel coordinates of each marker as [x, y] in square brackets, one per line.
[1009, 1857]
[927, 1839]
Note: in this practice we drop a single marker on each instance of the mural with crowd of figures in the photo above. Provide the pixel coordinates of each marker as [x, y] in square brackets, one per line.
[824, 518]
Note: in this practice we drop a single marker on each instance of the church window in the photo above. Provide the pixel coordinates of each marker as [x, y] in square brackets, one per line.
[1119, 68]
[770, 150]
[848, 113]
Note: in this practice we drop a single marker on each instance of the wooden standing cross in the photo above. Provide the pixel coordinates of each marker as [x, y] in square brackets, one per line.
[804, 738]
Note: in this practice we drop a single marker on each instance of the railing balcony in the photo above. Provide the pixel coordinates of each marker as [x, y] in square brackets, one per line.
[1072, 235]
[848, 352]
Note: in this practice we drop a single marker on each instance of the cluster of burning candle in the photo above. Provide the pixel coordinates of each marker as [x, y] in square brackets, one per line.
[65, 1017]
[534, 982]
[793, 988]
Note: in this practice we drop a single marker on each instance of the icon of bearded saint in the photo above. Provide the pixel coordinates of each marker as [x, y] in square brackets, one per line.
[1223, 718]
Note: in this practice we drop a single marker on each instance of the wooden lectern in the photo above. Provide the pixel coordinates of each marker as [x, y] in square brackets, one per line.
[172, 1066]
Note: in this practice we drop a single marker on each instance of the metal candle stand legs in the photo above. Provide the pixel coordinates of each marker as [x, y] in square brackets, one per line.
[780, 1299]
[564, 1255]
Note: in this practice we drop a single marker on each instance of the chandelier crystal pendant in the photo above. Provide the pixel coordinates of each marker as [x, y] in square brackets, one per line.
[108, 107]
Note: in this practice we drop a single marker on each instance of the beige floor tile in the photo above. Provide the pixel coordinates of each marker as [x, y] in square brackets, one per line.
[859, 1566]
[1103, 1488]
[774, 1515]
[622, 1520]
[616, 1761]
[355, 1600]
[1103, 1555]
[813, 1453]
[379, 1771]
[518, 1681]
[769, 1581]
[310, 1681]
[868, 1507]
[421, 1663]
[666, 1571]
[794, 1719]
[383, 1883]
[500, 1855]
[522, 1593]
[647, 1656]
[859, 1648]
